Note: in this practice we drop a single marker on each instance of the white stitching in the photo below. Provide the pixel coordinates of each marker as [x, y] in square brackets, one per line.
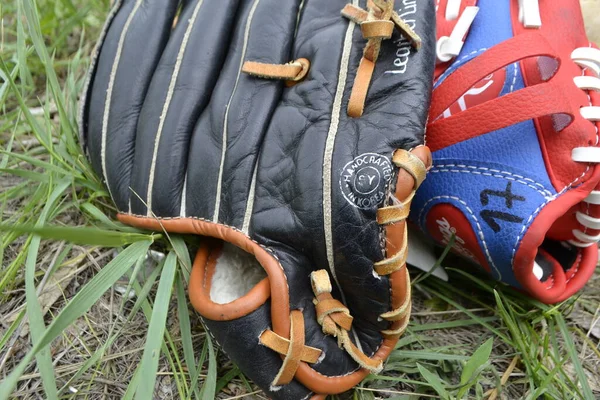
[480, 230]
[524, 227]
[110, 90]
[552, 282]
[328, 153]
[249, 21]
[514, 81]
[167, 105]
[576, 268]
[493, 173]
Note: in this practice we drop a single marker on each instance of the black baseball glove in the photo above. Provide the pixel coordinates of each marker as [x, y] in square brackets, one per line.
[291, 130]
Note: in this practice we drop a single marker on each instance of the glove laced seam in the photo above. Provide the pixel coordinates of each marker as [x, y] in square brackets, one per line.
[588, 59]
[397, 214]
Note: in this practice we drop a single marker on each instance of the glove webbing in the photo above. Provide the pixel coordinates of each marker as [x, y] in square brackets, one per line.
[376, 25]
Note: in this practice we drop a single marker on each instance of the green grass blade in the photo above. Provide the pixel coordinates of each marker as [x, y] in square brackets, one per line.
[156, 330]
[185, 329]
[473, 367]
[36, 322]
[11, 329]
[581, 376]
[81, 235]
[82, 302]
[133, 385]
[210, 384]
[434, 381]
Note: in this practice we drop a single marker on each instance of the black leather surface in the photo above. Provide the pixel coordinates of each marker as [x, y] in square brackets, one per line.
[213, 127]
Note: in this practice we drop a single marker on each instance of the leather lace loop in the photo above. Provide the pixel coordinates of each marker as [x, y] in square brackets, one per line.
[376, 24]
[336, 321]
[294, 349]
[293, 72]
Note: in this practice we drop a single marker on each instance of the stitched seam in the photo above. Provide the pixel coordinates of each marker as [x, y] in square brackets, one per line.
[167, 105]
[91, 72]
[492, 170]
[109, 91]
[479, 229]
[250, 203]
[183, 206]
[512, 177]
[575, 269]
[524, 227]
[328, 154]
[514, 80]
[226, 119]
[552, 282]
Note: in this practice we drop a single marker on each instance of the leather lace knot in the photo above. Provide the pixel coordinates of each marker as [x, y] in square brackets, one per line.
[377, 24]
[336, 321]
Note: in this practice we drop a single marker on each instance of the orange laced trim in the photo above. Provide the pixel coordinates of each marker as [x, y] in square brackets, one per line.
[377, 24]
[397, 214]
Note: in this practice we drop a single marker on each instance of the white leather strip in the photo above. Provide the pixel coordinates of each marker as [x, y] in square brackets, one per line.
[587, 221]
[591, 113]
[328, 156]
[586, 154]
[587, 82]
[109, 90]
[452, 9]
[529, 13]
[587, 57]
[579, 244]
[582, 237]
[182, 207]
[449, 47]
[163, 115]
[593, 197]
[237, 80]
[250, 203]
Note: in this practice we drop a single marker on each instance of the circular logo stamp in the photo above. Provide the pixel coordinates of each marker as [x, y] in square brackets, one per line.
[363, 181]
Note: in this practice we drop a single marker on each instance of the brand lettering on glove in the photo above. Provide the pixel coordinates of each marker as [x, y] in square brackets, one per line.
[490, 216]
[447, 231]
[404, 47]
[364, 180]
